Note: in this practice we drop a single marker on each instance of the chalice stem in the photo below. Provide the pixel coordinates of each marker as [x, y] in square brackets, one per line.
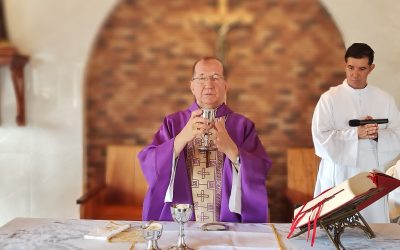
[206, 140]
[152, 244]
[181, 240]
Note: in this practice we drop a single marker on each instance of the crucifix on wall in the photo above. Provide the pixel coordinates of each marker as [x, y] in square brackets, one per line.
[223, 22]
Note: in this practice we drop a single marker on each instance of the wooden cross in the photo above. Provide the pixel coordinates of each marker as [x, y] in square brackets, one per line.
[223, 22]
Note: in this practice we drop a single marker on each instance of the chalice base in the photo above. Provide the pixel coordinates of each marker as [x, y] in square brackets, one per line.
[180, 248]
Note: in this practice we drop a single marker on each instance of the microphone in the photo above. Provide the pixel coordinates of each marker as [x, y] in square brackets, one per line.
[355, 122]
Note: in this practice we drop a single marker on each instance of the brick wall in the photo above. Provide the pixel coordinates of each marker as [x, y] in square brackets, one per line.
[278, 67]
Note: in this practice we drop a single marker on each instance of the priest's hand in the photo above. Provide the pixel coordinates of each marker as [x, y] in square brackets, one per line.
[368, 131]
[196, 125]
[224, 142]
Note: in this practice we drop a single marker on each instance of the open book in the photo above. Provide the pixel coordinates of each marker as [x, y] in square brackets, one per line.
[106, 231]
[360, 190]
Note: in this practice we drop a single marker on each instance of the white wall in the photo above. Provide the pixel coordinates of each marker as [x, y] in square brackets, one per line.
[41, 165]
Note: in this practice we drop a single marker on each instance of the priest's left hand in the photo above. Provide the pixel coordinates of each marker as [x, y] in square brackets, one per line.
[224, 142]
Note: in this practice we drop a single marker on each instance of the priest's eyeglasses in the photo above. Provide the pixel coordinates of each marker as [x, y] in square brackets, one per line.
[213, 78]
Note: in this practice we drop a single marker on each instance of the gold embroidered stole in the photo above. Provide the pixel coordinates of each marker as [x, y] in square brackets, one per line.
[205, 170]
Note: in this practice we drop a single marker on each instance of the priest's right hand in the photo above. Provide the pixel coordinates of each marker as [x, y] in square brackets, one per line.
[197, 125]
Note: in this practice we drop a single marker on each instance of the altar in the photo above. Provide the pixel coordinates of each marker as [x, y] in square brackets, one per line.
[67, 234]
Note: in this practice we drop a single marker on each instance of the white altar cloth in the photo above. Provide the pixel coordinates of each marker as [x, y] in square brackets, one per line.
[67, 234]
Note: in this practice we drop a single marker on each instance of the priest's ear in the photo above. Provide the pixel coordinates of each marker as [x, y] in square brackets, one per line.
[192, 86]
[371, 67]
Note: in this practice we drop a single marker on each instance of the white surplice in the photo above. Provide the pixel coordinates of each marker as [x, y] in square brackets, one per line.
[342, 154]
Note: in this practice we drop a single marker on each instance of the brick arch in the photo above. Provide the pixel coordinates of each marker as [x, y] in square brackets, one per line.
[141, 64]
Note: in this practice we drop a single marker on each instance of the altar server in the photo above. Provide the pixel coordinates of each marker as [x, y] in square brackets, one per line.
[346, 150]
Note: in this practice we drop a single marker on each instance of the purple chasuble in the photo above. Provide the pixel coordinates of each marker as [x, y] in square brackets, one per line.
[156, 164]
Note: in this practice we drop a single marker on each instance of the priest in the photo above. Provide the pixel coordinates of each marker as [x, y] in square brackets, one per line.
[344, 150]
[227, 184]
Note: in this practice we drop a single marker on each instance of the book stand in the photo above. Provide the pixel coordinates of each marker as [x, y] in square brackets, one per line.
[348, 215]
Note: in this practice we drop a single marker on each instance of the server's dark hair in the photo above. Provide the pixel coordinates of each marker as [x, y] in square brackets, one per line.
[360, 50]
